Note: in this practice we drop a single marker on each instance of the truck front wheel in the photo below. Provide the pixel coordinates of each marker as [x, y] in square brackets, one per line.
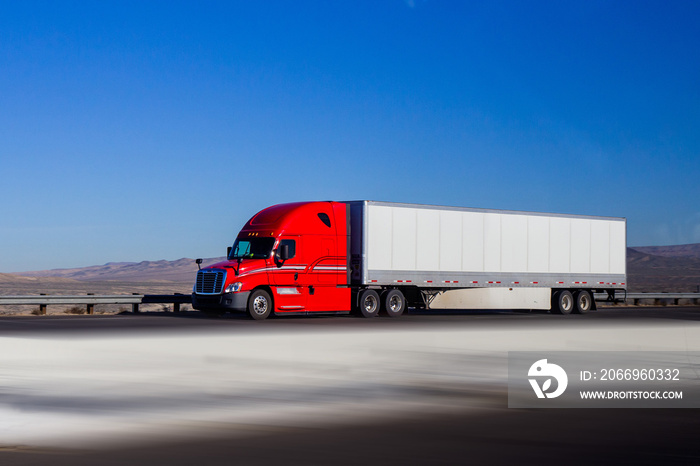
[259, 305]
[369, 303]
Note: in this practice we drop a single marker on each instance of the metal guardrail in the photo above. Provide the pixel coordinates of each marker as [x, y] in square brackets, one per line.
[635, 298]
[91, 299]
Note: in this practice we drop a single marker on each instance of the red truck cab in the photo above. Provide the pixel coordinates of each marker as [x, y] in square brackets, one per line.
[287, 259]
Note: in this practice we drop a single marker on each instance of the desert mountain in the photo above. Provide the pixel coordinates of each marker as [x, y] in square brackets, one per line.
[182, 270]
[671, 273]
[9, 278]
[681, 250]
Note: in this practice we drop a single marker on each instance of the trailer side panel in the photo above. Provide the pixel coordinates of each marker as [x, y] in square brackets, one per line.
[429, 246]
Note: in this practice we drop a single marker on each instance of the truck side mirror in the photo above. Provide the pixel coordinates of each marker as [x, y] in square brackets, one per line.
[199, 263]
[283, 252]
[228, 252]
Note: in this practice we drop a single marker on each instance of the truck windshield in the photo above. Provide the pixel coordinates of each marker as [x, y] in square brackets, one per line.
[252, 248]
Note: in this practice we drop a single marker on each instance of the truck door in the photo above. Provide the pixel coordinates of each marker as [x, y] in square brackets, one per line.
[287, 276]
[321, 281]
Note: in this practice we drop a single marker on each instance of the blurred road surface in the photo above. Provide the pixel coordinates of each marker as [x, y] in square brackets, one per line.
[421, 389]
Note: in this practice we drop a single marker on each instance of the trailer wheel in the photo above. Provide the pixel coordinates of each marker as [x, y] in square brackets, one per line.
[369, 303]
[583, 301]
[259, 305]
[562, 302]
[394, 303]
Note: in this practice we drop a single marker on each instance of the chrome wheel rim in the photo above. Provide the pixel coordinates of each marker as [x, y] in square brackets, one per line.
[395, 304]
[370, 303]
[260, 305]
[566, 303]
[584, 303]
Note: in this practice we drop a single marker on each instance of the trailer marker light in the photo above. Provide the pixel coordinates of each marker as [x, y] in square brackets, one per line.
[475, 282]
[534, 283]
[516, 283]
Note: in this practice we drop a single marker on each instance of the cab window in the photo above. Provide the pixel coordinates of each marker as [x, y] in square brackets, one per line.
[325, 219]
[292, 247]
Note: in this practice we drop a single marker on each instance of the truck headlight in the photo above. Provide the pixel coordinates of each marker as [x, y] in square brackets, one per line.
[234, 287]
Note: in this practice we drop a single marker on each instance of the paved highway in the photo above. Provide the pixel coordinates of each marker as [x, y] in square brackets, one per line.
[422, 389]
[192, 320]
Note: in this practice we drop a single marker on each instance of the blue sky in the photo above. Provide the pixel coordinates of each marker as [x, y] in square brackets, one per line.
[153, 130]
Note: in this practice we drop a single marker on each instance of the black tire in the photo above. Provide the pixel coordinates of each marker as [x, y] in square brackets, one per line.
[562, 302]
[583, 302]
[259, 305]
[369, 303]
[393, 303]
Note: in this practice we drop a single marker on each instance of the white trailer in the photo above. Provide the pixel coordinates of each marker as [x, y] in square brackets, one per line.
[466, 258]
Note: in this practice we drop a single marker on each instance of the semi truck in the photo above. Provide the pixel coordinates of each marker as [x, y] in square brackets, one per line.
[370, 258]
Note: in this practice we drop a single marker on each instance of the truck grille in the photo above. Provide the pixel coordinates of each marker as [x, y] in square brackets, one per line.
[210, 281]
